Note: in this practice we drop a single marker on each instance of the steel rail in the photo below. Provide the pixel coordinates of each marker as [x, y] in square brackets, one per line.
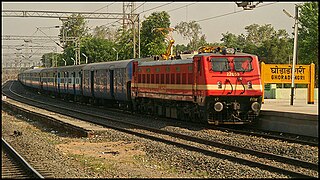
[287, 160]
[19, 159]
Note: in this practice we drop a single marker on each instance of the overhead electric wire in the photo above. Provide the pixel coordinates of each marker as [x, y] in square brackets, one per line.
[140, 12]
[182, 7]
[90, 28]
[155, 7]
[138, 6]
[230, 13]
[103, 7]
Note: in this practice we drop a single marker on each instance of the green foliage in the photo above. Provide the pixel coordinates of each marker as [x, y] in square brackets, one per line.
[180, 48]
[230, 40]
[50, 59]
[124, 43]
[153, 42]
[192, 32]
[104, 32]
[270, 45]
[75, 26]
[308, 35]
[98, 50]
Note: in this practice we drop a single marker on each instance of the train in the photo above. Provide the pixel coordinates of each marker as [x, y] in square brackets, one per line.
[222, 87]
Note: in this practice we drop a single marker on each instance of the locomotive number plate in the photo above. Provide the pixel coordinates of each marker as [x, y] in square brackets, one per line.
[233, 74]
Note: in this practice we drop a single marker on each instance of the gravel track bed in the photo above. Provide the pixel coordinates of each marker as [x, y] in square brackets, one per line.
[278, 147]
[160, 160]
[196, 165]
[237, 154]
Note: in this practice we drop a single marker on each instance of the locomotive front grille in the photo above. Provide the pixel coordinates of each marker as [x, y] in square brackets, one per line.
[236, 111]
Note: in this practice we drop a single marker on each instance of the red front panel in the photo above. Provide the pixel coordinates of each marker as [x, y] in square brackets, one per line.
[232, 81]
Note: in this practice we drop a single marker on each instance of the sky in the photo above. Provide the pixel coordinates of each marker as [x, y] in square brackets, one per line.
[214, 18]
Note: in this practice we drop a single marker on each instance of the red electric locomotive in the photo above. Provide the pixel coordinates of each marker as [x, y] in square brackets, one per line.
[218, 88]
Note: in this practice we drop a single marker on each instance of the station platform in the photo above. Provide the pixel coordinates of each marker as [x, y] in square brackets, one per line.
[300, 118]
[283, 105]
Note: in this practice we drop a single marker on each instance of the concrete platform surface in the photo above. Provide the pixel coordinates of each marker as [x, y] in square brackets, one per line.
[282, 105]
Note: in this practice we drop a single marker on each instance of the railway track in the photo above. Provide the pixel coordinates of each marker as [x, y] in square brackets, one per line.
[207, 147]
[251, 131]
[14, 166]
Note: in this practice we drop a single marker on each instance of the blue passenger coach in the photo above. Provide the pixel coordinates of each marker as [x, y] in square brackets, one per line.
[31, 78]
[108, 80]
[69, 80]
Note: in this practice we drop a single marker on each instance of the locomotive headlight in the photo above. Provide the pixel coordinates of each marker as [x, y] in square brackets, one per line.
[218, 106]
[255, 106]
[249, 85]
[219, 84]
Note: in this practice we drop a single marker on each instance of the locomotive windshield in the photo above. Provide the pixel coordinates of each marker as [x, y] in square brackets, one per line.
[242, 64]
[220, 64]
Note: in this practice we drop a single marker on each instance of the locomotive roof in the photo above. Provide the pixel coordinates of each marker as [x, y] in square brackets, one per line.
[37, 70]
[73, 67]
[49, 69]
[219, 54]
[108, 65]
[166, 62]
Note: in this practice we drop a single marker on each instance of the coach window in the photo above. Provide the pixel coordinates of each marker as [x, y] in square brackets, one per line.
[69, 78]
[65, 77]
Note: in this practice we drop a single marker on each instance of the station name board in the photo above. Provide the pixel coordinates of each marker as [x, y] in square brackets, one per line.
[282, 73]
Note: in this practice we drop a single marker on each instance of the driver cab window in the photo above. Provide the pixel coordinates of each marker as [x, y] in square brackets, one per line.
[242, 64]
[220, 64]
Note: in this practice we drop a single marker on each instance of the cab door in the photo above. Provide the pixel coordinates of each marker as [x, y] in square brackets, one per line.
[196, 78]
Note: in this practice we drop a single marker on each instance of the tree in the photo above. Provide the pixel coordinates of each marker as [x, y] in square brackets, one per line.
[257, 34]
[124, 44]
[50, 59]
[98, 50]
[104, 32]
[75, 26]
[308, 35]
[230, 40]
[153, 42]
[180, 48]
[192, 32]
[270, 45]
